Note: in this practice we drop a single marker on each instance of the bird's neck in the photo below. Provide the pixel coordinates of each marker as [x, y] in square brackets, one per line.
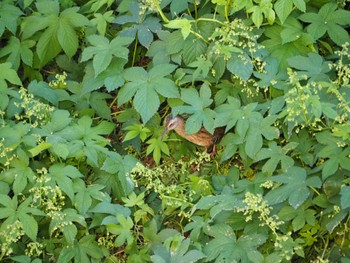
[180, 127]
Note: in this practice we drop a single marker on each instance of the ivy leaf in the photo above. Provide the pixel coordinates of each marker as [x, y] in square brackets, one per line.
[198, 108]
[18, 50]
[298, 216]
[329, 19]
[295, 187]
[9, 14]
[103, 51]
[146, 87]
[293, 30]
[7, 73]
[59, 30]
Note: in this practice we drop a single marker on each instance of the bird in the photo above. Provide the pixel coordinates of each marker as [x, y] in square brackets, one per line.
[201, 138]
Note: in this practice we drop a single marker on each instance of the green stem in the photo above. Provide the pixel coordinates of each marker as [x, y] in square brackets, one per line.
[165, 19]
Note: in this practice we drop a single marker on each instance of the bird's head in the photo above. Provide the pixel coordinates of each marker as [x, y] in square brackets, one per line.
[170, 123]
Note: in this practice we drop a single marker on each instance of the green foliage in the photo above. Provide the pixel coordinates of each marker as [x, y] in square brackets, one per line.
[86, 175]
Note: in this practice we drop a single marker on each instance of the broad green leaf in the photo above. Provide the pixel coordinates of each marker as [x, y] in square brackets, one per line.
[8, 74]
[281, 50]
[157, 147]
[198, 108]
[138, 26]
[276, 155]
[345, 197]
[146, 88]
[225, 247]
[181, 23]
[17, 51]
[313, 66]
[295, 187]
[9, 14]
[123, 230]
[102, 51]
[59, 30]
[329, 19]
[101, 21]
[241, 65]
[192, 49]
[283, 9]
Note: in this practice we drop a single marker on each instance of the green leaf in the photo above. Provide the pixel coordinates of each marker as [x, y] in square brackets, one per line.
[225, 247]
[8, 74]
[329, 19]
[295, 187]
[18, 51]
[241, 65]
[60, 30]
[123, 230]
[146, 88]
[281, 50]
[136, 130]
[201, 114]
[9, 15]
[345, 197]
[102, 51]
[192, 49]
[283, 9]
[181, 23]
[102, 20]
[157, 146]
[313, 66]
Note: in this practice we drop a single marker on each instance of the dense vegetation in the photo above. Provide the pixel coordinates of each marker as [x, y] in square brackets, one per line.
[85, 87]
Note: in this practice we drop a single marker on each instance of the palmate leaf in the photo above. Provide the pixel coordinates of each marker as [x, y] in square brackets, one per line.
[137, 25]
[146, 87]
[9, 14]
[225, 247]
[103, 51]
[295, 187]
[276, 154]
[313, 66]
[198, 108]
[60, 29]
[81, 251]
[329, 19]
[180, 254]
[284, 7]
[283, 51]
[249, 124]
[18, 51]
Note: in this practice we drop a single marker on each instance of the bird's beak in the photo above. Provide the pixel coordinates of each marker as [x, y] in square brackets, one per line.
[164, 132]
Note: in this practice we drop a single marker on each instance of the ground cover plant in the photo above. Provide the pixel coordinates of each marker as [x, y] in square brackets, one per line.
[85, 87]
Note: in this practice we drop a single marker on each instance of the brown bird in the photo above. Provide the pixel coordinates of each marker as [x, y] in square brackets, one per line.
[201, 138]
